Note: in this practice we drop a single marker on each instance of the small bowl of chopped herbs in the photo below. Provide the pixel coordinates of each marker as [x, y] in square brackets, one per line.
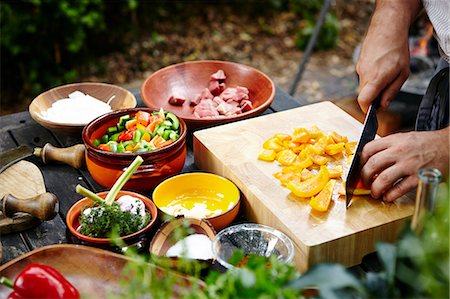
[97, 216]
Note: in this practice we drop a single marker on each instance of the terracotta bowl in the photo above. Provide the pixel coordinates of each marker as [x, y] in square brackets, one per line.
[189, 78]
[74, 213]
[106, 167]
[123, 99]
[217, 191]
[164, 237]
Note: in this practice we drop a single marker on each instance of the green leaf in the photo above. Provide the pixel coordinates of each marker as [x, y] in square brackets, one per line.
[387, 253]
[329, 278]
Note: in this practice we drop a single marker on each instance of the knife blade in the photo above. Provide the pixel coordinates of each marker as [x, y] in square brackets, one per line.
[14, 155]
[72, 156]
[369, 131]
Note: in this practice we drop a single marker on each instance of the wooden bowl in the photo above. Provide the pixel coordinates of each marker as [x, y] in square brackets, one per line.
[106, 167]
[217, 191]
[102, 91]
[164, 237]
[189, 78]
[75, 211]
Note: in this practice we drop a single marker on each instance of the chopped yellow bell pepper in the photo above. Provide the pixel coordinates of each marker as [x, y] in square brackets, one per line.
[286, 157]
[301, 135]
[311, 186]
[350, 147]
[267, 155]
[335, 172]
[333, 149]
[273, 144]
[306, 174]
[282, 137]
[321, 201]
[338, 138]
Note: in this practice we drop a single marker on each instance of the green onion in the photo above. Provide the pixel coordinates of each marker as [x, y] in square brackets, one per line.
[88, 193]
[126, 175]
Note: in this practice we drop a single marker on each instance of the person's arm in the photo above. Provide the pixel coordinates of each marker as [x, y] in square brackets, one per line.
[390, 164]
[383, 64]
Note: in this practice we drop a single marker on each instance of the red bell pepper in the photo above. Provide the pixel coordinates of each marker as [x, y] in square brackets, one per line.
[40, 281]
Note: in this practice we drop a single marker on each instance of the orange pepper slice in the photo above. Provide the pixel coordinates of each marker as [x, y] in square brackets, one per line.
[311, 186]
[321, 202]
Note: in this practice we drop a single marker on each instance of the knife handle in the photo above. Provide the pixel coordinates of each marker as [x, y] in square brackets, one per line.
[44, 206]
[73, 156]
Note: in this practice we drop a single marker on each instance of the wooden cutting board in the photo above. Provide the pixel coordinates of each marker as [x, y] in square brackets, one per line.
[22, 180]
[338, 235]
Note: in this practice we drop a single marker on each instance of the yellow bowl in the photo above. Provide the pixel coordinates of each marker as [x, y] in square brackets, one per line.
[186, 190]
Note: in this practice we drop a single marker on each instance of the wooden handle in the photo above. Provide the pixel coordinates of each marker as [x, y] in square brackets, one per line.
[73, 156]
[44, 206]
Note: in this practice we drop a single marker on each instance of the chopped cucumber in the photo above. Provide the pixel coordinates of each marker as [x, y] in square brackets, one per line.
[175, 122]
[97, 142]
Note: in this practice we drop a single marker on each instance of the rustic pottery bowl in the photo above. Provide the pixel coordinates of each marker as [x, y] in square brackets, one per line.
[165, 236]
[251, 239]
[75, 211]
[123, 99]
[106, 167]
[187, 79]
[198, 187]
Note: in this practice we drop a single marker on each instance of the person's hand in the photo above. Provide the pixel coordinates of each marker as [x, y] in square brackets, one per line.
[390, 164]
[383, 64]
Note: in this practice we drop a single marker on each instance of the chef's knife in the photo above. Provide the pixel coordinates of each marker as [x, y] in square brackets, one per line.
[73, 156]
[368, 134]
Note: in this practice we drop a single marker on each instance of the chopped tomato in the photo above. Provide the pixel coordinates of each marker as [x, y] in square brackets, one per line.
[125, 136]
[104, 147]
[143, 118]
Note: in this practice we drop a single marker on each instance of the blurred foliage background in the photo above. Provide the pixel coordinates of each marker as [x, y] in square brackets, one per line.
[46, 43]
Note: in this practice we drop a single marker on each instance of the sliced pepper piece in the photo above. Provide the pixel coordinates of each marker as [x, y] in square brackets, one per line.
[286, 157]
[321, 201]
[175, 122]
[267, 155]
[273, 144]
[311, 186]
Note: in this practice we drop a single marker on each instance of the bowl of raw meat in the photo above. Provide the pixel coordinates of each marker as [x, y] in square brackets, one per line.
[209, 92]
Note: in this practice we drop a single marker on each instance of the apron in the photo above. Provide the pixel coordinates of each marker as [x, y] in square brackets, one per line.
[434, 108]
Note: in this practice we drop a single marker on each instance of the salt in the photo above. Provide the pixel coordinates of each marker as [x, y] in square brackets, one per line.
[196, 246]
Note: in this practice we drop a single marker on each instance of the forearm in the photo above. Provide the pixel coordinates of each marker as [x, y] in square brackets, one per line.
[399, 14]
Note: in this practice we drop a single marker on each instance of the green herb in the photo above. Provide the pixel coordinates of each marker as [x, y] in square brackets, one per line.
[103, 218]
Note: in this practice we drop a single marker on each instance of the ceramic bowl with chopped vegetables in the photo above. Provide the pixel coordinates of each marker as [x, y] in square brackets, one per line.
[115, 139]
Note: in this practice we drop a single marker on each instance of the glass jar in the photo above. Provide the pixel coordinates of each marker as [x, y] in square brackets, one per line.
[429, 179]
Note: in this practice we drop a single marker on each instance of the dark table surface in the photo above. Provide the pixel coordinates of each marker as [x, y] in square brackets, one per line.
[20, 129]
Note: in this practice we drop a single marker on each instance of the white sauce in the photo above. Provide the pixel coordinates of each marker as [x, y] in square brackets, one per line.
[196, 246]
[78, 108]
[199, 211]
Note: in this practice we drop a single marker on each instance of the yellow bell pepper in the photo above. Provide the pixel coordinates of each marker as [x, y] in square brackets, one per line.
[311, 186]
[321, 201]
[333, 149]
[350, 147]
[273, 144]
[335, 172]
[301, 135]
[267, 155]
[338, 138]
[286, 157]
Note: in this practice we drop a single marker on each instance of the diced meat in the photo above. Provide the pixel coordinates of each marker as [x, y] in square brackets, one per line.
[228, 109]
[222, 87]
[204, 94]
[218, 100]
[246, 105]
[235, 93]
[177, 101]
[214, 87]
[206, 108]
[219, 75]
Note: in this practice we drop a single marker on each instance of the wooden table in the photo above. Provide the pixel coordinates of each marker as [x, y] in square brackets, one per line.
[19, 128]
